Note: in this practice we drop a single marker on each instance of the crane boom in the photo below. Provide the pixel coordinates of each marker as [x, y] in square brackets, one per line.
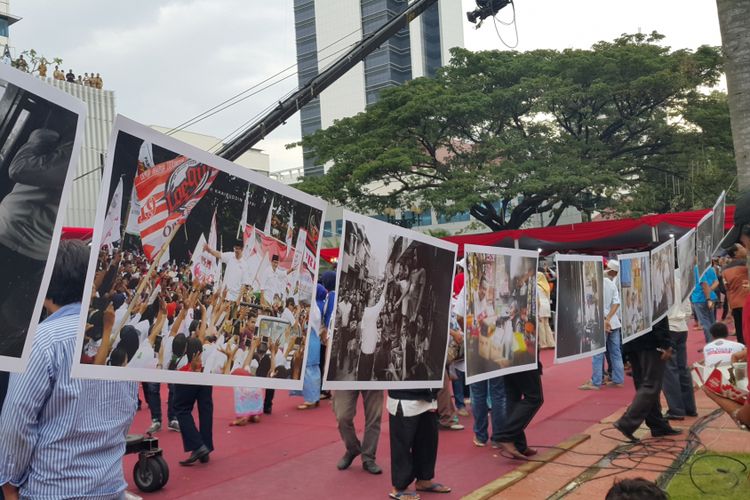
[289, 106]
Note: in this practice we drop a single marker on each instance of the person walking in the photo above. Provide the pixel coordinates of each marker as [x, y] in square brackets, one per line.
[677, 383]
[413, 433]
[199, 443]
[612, 327]
[647, 355]
[345, 409]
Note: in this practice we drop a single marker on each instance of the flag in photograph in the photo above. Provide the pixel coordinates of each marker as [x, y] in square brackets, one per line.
[114, 218]
[216, 266]
[203, 264]
[243, 220]
[133, 212]
[167, 193]
[269, 218]
[145, 157]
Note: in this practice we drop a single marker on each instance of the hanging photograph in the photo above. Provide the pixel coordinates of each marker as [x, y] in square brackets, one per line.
[717, 221]
[635, 294]
[393, 295]
[662, 280]
[201, 272]
[579, 322]
[41, 131]
[704, 242]
[686, 261]
[501, 311]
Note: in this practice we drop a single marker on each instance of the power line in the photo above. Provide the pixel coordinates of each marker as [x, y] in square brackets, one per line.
[209, 112]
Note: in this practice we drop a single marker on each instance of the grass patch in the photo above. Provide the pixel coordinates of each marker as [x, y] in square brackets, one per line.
[722, 476]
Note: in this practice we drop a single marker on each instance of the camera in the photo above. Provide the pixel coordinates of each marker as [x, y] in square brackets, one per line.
[485, 9]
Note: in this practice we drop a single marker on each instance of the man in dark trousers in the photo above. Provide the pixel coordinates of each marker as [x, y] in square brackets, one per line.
[648, 356]
[413, 430]
[524, 398]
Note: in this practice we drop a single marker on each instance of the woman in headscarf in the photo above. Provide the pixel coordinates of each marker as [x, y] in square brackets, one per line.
[311, 385]
[546, 340]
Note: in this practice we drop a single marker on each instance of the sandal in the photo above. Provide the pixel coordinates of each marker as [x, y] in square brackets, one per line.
[397, 495]
[308, 406]
[239, 422]
[434, 488]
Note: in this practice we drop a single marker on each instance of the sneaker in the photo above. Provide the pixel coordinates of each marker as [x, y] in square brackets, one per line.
[155, 427]
[588, 386]
[478, 443]
[174, 425]
[463, 412]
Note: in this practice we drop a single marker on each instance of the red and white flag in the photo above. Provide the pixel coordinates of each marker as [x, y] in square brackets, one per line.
[166, 194]
[114, 218]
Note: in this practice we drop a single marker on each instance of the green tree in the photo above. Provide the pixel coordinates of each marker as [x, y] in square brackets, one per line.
[528, 132]
[34, 59]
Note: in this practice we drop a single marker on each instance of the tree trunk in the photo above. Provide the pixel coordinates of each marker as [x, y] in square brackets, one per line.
[734, 20]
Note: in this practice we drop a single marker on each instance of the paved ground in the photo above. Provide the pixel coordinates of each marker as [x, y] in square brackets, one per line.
[292, 453]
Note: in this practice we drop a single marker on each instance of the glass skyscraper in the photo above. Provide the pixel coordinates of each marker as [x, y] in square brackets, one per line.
[324, 28]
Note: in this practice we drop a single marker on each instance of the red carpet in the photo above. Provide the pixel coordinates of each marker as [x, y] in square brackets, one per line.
[293, 454]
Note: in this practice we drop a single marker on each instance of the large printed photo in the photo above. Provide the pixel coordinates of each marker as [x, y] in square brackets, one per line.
[202, 271]
[704, 242]
[686, 263]
[579, 321]
[635, 294]
[393, 299]
[41, 130]
[662, 279]
[501, 311]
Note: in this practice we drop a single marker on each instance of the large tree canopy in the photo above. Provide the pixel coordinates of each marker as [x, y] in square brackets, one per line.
[535, 131]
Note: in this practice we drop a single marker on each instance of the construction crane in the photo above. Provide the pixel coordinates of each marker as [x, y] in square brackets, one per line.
[312, 89]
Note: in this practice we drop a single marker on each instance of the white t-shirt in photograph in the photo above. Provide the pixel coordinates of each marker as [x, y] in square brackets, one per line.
[233, 274]
[144, 357]
[720, 352]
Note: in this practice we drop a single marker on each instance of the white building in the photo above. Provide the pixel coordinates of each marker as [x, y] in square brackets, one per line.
[6, 19]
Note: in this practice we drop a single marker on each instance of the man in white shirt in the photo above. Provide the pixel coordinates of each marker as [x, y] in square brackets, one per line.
[273, 282]
[369, 336]
[720, 350]
[235, 268]
[612, 327]
[677, 383]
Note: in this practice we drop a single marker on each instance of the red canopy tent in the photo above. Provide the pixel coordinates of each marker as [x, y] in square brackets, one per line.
[589, 237]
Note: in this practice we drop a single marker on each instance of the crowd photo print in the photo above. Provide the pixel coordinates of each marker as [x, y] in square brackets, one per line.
[686, 263]
[662, 279]
[41, 131]
[501, 311]
[579, 321]
[201, 271]
[635, 294]
[393, 296]
[704, 242]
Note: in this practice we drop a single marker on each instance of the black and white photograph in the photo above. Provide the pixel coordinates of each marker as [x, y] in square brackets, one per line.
[704, 242]
[213, 283]
[686, 263]
[393, 296]
[501, 311]
[718, 219]
[579, 322]
[662, 280]
[635, 294]
[41, 131]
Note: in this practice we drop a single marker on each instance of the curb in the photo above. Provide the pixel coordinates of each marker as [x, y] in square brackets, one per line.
[505, 481]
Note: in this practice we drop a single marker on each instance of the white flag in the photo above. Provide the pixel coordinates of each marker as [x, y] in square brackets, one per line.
[114, 217]
[216, 267]
[269, 217]
[243, 220]
[132, 226]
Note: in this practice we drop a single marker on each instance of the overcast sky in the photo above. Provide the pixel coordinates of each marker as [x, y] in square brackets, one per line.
[167, 61]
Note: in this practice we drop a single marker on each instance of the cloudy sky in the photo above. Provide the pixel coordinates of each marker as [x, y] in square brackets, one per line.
[170, 60]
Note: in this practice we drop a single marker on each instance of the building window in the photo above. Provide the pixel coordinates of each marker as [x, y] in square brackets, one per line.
[339, 225]
[4, 27]
[432, 53]
[327, 229]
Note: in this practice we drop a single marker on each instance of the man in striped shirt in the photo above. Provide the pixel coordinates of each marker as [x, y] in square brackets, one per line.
[62, 437]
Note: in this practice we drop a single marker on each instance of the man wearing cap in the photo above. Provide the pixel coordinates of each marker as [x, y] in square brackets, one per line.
[612, 327]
